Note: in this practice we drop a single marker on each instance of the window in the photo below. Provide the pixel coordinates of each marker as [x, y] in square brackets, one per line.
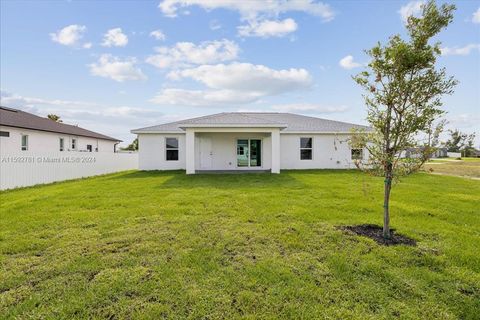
[240, 150]
[89, 147]
[74, 144]
[357, 154]
[24, 142]
[306, 149]
[4, 134]
[171, 146]
[62, 144]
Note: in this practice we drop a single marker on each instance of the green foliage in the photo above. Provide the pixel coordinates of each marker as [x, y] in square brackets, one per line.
[403, 94]
[403, 99]
[132, 146]
[461, 142]
[54, 117]
[156, 245]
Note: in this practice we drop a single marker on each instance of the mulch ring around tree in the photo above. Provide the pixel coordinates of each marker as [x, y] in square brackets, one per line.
[376, 233]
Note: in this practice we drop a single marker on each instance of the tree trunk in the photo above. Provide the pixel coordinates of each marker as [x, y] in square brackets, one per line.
[386, 200]
[386, 207]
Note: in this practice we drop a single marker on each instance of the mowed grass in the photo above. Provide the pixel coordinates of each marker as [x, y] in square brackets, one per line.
[152, 245]
[466, 167]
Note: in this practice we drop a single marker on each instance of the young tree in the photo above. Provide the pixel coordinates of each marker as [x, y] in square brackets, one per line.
[403, 99]
[460, 142]
[468, 150]
[54, 117]
[132, 146]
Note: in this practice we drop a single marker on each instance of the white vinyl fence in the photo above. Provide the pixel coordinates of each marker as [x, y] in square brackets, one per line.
[454, 154]
[28, 169]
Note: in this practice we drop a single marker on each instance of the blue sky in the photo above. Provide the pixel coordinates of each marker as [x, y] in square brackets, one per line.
[112, 66]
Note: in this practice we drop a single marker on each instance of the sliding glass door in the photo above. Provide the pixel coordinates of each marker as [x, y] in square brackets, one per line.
[255, 153]
[242, 153]
[249, 153]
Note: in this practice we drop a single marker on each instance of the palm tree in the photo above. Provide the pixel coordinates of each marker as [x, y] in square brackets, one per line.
[54, 117]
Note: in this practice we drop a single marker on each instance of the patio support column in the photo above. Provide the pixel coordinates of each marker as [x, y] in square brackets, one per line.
[275, 150]
[190, 150]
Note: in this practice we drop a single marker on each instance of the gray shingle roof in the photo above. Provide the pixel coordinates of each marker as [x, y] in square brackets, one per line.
[288, 121]
[232, 118]
[21, 119]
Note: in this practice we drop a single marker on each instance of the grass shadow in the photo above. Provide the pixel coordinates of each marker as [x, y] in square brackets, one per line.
[232, 181]
[142, 174]
[321, 171]
[178, 179]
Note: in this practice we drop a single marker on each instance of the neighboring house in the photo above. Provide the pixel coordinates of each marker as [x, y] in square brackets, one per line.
[23, 131]
[440, 153]
[247, 141]
[418, 152]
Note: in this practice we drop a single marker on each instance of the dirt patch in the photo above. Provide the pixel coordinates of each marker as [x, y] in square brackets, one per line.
[376, 233]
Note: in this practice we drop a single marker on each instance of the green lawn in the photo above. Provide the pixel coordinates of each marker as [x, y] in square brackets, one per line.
[166, 245]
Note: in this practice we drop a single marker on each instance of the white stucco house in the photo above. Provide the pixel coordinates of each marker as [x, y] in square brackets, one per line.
[248, 141]
[21, 131]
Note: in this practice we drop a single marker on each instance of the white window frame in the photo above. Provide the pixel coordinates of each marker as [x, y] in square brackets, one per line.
[261, 152]
[61, 142]
[361, 153]
[300, 151]
[177, 148]
[24, 147]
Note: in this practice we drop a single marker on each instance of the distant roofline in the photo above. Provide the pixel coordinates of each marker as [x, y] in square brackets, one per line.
[281, 132]
[298, 114]
[9, 109]
[55, 131]
[135, 131]
[233, 125]
[93, 136]
[183, 124]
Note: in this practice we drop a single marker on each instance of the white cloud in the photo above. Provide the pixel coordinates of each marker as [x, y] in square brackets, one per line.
[70, 35]
[87, 45]
[476, 16]
[462, 51]
[309, 108]
[115, 121]
[233, 84]
[267, 28]
[246, 77]
[203, 98]
[413, 8]
[65, 109]
[114, 68]
[158, 35]
[253, 8]
[187, 53]
[115, 38]
[464, 121]
[17, 101]
[348, 63]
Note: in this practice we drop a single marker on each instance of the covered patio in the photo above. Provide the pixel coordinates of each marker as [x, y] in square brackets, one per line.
[232, 149]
